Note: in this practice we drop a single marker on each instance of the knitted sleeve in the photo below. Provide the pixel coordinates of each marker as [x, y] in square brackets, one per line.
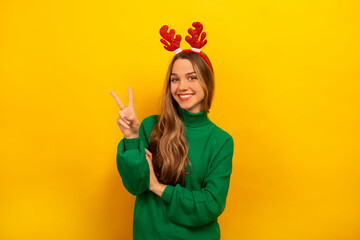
[200, 207]
[132, 164]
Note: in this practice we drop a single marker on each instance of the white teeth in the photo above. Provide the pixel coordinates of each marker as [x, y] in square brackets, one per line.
[185, 96]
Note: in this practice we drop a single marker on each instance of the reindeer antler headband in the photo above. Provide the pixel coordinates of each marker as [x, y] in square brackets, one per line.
[173, 43]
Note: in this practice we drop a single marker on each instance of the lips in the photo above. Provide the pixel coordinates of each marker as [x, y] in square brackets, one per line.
[185, 97]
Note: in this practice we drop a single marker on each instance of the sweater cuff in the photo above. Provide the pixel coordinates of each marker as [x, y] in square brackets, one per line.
[167, 194]
[131, 143]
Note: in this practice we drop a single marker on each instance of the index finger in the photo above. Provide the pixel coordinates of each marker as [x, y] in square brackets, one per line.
[117, 99]
[131, 98]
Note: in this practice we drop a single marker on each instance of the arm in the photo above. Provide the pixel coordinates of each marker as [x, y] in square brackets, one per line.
[197, 208]
[155, 186]
[130, 159]
[132, 164]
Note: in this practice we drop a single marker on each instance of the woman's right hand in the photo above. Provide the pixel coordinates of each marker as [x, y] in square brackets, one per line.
[128, 122]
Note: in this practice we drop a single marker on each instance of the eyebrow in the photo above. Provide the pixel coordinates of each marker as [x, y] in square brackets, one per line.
[185, 73]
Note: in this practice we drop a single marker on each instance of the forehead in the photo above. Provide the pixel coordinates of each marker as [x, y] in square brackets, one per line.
[182, 66]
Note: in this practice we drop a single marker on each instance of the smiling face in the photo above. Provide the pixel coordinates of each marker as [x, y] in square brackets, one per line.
[185, 86]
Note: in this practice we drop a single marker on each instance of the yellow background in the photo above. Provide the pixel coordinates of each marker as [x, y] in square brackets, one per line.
[287, 90]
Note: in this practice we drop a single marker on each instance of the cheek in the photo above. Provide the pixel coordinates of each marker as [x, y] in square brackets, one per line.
[201, 91]
[202, 95]
[172, 89]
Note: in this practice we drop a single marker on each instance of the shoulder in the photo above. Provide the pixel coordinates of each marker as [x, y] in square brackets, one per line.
[146, 126]
[221, 141]
[220, 135]
[222, 148]
[149, 122]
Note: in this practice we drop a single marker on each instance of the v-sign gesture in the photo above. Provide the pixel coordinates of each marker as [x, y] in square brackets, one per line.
[128, 122]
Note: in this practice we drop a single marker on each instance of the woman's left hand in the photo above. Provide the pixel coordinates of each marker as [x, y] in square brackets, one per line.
[155, 186]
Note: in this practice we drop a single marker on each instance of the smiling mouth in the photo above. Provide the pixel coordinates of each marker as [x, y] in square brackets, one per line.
[185, 97]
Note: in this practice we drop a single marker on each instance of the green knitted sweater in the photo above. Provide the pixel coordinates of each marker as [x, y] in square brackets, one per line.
[182, 212]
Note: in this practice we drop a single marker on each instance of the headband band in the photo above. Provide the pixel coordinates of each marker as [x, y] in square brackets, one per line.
[173, 43]
[202, 55]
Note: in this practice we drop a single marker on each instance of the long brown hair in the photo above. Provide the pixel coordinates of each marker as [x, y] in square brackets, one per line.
[168, 142]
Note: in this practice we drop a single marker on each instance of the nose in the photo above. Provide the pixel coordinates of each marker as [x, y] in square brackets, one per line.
[183, 85]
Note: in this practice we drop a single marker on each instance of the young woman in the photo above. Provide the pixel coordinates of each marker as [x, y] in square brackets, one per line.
[178, 163]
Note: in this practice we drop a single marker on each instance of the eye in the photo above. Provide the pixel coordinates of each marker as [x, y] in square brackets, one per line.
[173, 79]
[192, 77]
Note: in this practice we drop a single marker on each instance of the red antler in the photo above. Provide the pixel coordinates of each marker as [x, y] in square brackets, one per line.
[171, 43]
[195, 33]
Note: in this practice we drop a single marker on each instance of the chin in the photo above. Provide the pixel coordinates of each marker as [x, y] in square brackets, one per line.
[194, 109]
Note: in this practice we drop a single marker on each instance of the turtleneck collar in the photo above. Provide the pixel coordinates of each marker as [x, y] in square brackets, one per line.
[194, 119]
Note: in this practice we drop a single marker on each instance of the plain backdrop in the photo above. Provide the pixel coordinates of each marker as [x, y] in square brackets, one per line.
[287, 90]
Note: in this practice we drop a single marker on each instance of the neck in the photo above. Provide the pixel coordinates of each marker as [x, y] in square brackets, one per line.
[194, 119]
